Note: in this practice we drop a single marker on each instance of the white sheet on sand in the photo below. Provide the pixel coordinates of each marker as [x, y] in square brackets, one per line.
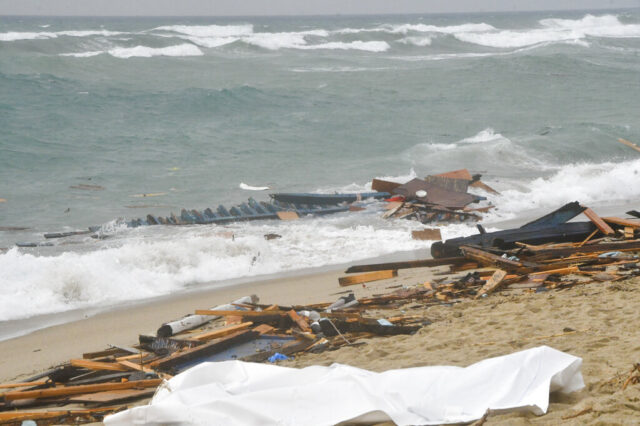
[240, 393]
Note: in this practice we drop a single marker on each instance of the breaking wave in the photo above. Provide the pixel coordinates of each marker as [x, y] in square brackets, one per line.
[185, 49]
[554, 31]
[15, 36]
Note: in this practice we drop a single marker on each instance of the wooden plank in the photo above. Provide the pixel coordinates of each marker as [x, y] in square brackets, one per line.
[629, 144]
[134, 366]
[490, 259]
[482, 185]
[492, 283]
[77, 390]
[367, 277]
[423, 263]
[110, 397]
[287, 215]
[264, 329]
[629, 233]
[22, 385]
[457, 174]
[100, 354]
[383, 185]
[598, 222]
[244, 314]
[221, 332]
[427, 235]
[631, 223]
[96, 365]
[596, 248]
[16, 416]
[299, 321]
[450, 184]
[205, 350]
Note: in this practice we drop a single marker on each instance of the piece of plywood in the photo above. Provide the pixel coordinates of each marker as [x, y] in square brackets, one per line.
[598, 222]
[492, 283]
[457, 174]
[482, 185]
[367, 277]
[427, 235]
[384, 186]
[287, 215]
[450, 184]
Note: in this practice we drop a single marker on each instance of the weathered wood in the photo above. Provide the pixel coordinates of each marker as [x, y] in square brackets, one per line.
[598, 222]
[423, 263]
[383, 185]
[631, 223]
[205, 350]
[556, 217]
[19, 416]
[457, 174]
[22, 385]
[244, 314]
[76, 390]
[299, 321]
[629, 144]
[629, 233]
[110, 397]
[95, 365]
[450, 184]
[596, 248]
[492, 283]
[264, 329]
[135, 366]
[482, 185]
[221, 332]
[287, 215]
[367, 277]
[100, 354]
[427, 234]
[489, 259]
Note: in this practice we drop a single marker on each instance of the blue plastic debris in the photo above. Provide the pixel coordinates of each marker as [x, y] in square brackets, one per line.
[278, 357]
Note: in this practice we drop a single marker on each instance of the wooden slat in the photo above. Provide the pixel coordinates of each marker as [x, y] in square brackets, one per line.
[598, 222]
[489, 259]
[492, 283]
[264, 329]
[424, 263]
[629, 144]
[482, 185]
[245, 314]
[221, 332]
[77, 390]
[15, 416]
[95, 365]
[110, 397]
[623, 222]
[384, 186]
[22, 385]
[367, 277]
[134, 366]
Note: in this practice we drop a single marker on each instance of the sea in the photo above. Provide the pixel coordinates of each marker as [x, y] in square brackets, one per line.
[104, 120]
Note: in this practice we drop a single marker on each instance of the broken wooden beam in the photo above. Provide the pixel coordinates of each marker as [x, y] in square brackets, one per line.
[221, 332]
[299, 321]
[631, 223]
[492, 283]
[427, 234]
[96, 365]
[489, 259]
[598, 222]
[423, 263]
[80, 389]
[367, 277]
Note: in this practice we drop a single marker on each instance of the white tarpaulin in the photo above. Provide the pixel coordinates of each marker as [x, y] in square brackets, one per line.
[240, 393]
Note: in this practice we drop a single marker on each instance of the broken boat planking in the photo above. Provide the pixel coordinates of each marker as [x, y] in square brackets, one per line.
[247, 330]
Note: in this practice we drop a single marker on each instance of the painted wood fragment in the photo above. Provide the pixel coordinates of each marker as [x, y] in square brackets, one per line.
[367, 277]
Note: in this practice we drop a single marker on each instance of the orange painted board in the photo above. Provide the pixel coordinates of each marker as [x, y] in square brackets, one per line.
[367, 277]
[457, 174]
[287, 215]
[598, 222]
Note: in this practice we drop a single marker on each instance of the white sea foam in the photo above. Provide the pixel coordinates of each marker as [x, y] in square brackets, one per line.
[416, 41]
[83, 54]
[140, 269]
[486, 135]
[420, 28]
[209, 30]
[15, 36]
[369, 46]
[185, 49]
[554, 31]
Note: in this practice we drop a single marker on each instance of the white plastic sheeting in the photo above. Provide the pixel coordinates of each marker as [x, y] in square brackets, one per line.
[239, 393]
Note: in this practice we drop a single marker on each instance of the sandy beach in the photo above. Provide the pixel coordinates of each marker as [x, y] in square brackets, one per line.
[594, 322]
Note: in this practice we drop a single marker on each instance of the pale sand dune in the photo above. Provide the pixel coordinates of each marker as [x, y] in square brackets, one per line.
[598, 322]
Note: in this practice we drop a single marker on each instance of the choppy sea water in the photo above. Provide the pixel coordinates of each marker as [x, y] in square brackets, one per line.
[188, 108]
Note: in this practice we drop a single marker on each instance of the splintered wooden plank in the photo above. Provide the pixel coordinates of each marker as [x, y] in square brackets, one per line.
[531, 281]
[22, 385]
[450, 184]
[221, 332]
[457, 174]
[427, 235]
[492, 283]
[629, 144]
[631, 223]
[246, 314]
[598, 222]
[629, 233]
[384, 186]
[100, 354]
[489, 259]
[95, 365]
[135, 366]
[16, 416]
[80, 389]
[367, 277]
[482, 185]
[300, 322]
[109, 397]
[264, 329]
[287, 215]
[423, 263]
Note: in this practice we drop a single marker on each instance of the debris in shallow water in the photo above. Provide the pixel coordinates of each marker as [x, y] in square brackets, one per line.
[87, 187]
